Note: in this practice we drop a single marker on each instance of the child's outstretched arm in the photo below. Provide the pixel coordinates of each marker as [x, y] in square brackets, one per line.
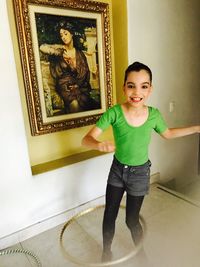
[90, 140]
[178, 132]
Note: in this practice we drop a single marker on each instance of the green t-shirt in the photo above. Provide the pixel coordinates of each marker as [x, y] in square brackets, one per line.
[131, 142]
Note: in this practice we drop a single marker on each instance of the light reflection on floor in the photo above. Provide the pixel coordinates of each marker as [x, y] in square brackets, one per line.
[172, 238]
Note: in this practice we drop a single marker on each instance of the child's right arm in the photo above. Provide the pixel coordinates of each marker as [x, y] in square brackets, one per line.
[90, 140]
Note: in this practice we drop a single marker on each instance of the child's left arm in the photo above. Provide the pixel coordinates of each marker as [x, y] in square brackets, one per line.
[178, 132]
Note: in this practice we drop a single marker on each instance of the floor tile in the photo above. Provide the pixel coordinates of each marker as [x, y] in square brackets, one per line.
[47, 247]
[172, 238]
[15, 258]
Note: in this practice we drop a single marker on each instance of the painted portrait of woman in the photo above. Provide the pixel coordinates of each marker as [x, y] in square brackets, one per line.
[69, 64]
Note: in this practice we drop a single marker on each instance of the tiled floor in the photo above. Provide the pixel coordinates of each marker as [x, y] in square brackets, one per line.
[172, 237]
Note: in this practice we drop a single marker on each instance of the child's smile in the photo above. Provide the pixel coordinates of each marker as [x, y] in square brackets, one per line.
[136, 99]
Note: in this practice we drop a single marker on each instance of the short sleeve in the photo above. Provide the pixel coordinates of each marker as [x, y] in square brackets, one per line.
[160, 125]
[107, 119]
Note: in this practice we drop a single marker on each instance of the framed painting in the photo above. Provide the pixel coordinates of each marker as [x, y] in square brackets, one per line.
[65, 51]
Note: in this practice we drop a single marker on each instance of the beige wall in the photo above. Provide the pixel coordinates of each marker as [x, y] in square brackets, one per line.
[164, 35]
[120, 31]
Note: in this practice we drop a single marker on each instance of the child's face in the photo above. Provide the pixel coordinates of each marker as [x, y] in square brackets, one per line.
[137, 88]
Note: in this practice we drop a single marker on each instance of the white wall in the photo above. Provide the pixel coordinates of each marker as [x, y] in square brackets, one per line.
[165, 36]
[25, 199]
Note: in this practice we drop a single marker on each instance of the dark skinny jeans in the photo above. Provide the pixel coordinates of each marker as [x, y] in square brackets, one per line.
[133, 205]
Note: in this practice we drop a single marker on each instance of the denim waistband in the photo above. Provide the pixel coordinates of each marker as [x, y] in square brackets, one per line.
[148, 162]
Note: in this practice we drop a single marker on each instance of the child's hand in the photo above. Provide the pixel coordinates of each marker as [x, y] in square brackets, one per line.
[106, 146]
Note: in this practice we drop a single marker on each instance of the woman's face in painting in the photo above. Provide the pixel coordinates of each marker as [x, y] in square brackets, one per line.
[66, 36]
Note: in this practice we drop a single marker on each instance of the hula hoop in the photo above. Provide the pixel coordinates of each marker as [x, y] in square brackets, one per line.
[75, 260]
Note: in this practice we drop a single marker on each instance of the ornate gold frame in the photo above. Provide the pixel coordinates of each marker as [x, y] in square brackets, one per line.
[28, 61]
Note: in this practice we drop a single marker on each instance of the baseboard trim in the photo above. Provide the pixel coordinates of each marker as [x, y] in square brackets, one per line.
[49, 223]
[155, 178]
[42, 226]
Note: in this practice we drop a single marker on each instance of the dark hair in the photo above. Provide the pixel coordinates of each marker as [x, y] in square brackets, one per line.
[137, 66]
[66, 26]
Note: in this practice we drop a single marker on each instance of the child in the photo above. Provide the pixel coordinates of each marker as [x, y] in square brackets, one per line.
[132, 124]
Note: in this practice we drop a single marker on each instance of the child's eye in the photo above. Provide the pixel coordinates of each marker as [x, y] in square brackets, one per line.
[144, 87]
[130, 86]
